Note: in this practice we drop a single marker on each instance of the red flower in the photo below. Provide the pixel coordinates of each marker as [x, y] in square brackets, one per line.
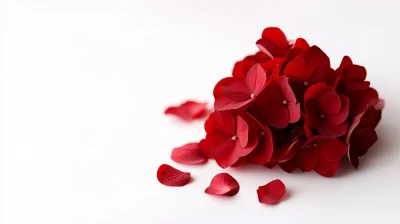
[361, 99]
[227, 138]
[276, 106]
[232, 93]
[262, 153]
[273, 42]
[351, 76]
[172, 177]
[241, 68]
[326, 111]
[308, 68]
[223, 184]
[361, 134]
[271, 193]
[322, 155]
[189, 110]
[188, 154]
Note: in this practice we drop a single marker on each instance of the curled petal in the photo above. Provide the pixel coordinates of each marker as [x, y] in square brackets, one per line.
[223, 184]
[188, 111]
[271, 193]
[169, 176]
[188, 154]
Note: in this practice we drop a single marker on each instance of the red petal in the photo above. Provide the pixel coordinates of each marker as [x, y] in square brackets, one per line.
[287, 92]
[361, 99]
[357, 72]
[342, 115]
[271, 193]
[300, 43]
[294, 112]
[235, 89]
[188, 111]
[326, 168]
[170, 176]
[346, 62]
[255, 79]
[220, 121]
[362, 140]
[315, 91]
[204, 149]
[223, 184]
[307, 158]
[380, 105]
[330, 103]
[276, 115]
[217, 89]
[333, 149]
[237, 71]
[289, 166]
[242, 131]
[267, 46]
[188, 154]
[225, 103]
[264, 149]
[219, 145]
[234, 152]
[275, 34]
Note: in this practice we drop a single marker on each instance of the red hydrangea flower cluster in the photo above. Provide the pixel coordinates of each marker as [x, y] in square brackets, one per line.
[285, 106]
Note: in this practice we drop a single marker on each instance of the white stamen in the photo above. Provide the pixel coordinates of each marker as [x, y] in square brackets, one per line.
[315, 144]
[322, 116]
[284, 102]
[262, 133]
[305, 83]
[252, 95]
[234, 137]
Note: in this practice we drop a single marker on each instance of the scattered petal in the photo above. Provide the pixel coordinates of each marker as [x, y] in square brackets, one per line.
[188, 154]
[223, 184]
[170, 176]
[188, 111]
[271, 193]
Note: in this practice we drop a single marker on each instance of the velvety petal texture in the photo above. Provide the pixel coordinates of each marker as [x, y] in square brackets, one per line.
[169, 176]
[223, 184]
[271, 193]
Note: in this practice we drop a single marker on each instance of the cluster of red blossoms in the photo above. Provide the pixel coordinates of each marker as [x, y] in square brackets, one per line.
[285, 106]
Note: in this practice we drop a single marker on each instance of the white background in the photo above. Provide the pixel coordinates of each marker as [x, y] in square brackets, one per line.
[84, 84]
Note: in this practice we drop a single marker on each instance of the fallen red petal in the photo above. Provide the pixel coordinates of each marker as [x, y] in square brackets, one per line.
[169, 176]
[188, 154]
[188, 111]
[271, 193]
[223, 184]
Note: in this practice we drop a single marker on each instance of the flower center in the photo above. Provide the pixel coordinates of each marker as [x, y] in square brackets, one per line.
[252, 95]
[322, 116]
[262, 133]
[305, 83]
[284, 102]
[234, 137]
[315, 144]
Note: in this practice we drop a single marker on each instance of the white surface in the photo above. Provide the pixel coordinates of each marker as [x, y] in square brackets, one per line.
[83, 88]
